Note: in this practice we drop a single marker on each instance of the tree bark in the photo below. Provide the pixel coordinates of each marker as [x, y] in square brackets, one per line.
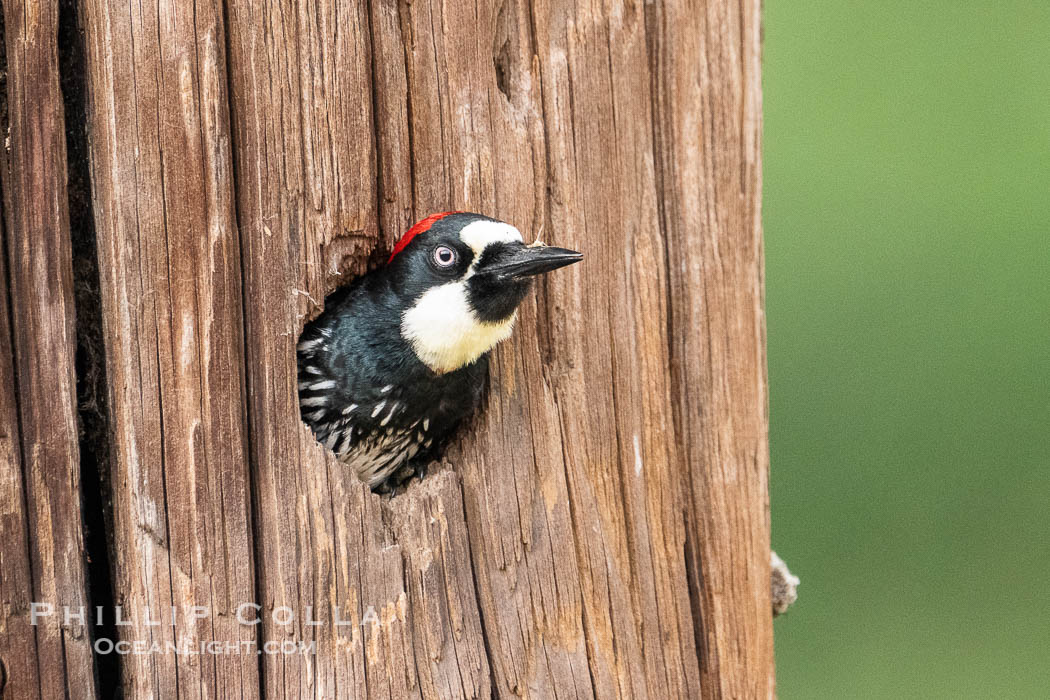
[601, 530]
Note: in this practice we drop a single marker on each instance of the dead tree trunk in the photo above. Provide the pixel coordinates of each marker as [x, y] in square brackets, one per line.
[601, 531]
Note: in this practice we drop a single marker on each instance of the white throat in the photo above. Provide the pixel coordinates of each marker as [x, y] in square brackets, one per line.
[444, 331]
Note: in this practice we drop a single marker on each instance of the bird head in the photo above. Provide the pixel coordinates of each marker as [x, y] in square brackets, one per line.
[462, 277]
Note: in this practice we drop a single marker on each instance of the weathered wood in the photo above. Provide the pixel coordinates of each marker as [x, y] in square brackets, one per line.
[468, 147]
[170, 281]
[452, 661]
[573, 482]
[601, 530]
[19, 675]
[303, 130]
[47, 475]
[708, 115]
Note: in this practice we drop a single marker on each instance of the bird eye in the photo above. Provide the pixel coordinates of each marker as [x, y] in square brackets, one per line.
[444, 256]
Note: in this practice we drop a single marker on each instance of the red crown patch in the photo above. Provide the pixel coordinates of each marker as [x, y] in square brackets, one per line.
[419, 228]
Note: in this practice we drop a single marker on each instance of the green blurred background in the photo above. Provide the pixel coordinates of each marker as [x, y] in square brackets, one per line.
[907, 219]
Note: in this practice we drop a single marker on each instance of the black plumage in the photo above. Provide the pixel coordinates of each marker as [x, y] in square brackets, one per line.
[360, 384]
[371, 387]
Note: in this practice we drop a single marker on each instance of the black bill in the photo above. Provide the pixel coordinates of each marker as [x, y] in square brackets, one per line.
[525, 261]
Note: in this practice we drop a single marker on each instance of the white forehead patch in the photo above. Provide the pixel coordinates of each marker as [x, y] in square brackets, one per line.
[481, 233]
[445, 333]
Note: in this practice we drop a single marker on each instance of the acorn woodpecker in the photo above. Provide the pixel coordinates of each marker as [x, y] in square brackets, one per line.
[400, 355]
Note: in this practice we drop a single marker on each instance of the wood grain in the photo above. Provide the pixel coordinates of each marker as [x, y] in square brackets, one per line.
[19, 674]
[580, 503]
[305, 161]
[709, 166]
[600, 531]
[170, 281]
[451, 658]
[42, 332]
